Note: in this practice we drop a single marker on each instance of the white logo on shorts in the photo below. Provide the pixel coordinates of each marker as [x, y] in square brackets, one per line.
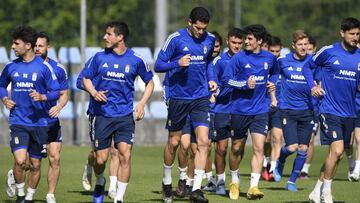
[169, 123]
[16, 140]
[334, 134]
[284, 121]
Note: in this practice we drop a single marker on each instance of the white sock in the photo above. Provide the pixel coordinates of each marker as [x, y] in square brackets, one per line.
[254, 181]
[167, 174]
[198, 175]
[318, 185]
[220, 177]
[208, 175]
[357, 166]
[50, 195]
[189, 181]
[183, 173]
[30, 193]
[113, 180]
[234, 176]
[272, 166]
[327, 186]
[20, 189]
[121, 187]
[265, 162]
[100, 179]
[305, 168]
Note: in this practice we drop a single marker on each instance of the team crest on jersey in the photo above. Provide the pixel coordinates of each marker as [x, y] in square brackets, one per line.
[116, 65]
[334, 134]
[359, 66]
[127, 68]
[266, 65]
[16, 140]
[34, 76]
[205, 49]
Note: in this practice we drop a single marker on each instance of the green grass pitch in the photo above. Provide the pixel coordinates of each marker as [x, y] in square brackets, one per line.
[145, 183]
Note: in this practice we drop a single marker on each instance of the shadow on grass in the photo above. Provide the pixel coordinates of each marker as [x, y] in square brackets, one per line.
[280, 188]
[12, 201]
[82, 192]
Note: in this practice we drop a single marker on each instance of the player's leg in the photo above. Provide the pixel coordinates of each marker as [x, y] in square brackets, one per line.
[113, 170]
[191, 165]
[220, 154]
[33, 178]
[236, 154]
[210, 185]
[356, 172]
[275, 126]
[304, 174]
[88, 169]
[267, 154]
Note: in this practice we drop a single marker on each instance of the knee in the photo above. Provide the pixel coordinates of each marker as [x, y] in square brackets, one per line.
[221, 150]
[185, 145]
[125, 158]
[35, 165]
[173, 142]
[100, 160]
[293, 147]
[303, 148]
[114, 152]
[21, 163]
[54, 160]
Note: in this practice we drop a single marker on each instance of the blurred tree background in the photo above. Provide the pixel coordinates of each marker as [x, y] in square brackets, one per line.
[60, 18]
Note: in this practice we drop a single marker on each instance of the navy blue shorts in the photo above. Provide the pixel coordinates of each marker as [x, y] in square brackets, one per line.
[335, 128]
[240, 124]
[212, 131]
[297, 126]
[54, 134]
[316, 122]
[179, 109]
[104, 129]
[222, 124]
[31, 138]
[275, 118]
[357, 120]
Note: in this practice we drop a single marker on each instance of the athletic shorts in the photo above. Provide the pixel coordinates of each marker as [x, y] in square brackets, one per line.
[297, 126]
[334, 128]
[212, 131]
[104, 129]
[179, 109]
[32, 138]
[316, 122]
[54, 134]
[275, 118]
[357, 120]
[222, 124]
[240, 124]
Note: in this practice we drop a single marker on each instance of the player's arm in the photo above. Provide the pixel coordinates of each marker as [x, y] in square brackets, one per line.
[52, 87]
[312, 64]
[229, 79]
[79, 83]
[54, 112]
[4, 82]
[146, 75]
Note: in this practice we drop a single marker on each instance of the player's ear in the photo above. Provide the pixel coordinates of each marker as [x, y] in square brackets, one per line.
[342, 33]
[189, 22]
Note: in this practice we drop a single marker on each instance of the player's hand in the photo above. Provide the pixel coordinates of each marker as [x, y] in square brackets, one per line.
[100, 96]
[271, 86]
[251, 82]
[273, 103]
[212, 85]
[317, 91]
[54, 112]
[212, 98]
[8, 103]
[184, 61]
[36, 96]
[139, 112]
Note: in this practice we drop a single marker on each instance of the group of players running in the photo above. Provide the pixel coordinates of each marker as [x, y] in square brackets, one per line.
[248, 89]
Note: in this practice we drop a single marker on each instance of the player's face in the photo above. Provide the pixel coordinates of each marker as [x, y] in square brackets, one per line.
[252, 44]
[234, 44]
[216, 50]
[265, 46]
[311, 49]
[20, 47]
[351, 37]
[275, 50]
[111, 39]
[301, 47]
[197, 29]
[41, 47]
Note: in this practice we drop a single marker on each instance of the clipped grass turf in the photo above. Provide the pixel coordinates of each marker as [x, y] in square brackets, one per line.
[145, 183]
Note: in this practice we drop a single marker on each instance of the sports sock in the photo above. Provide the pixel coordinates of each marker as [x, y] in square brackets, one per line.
[272, 166]
[297, 166]
[234, 176]
[284, 153]
[20, 188]
[30, 193]
[254, 179]
[318, 186]
[220, 177]
[121, 187]
[327, 186]
[100, 179]
[198, 175]
[167, 174]
[113, 180]
[183, 173]
[305, 168]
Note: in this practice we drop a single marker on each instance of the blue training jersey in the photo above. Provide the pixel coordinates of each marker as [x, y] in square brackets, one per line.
[223, 99]
[186, 82]
[80, 86]
[339, 79]
[116, 74]
[62, 78]
[295, 94]
[25, 77]
[244, 64]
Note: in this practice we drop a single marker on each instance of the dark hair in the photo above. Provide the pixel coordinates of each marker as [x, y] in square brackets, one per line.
[43, 35]
[217, 37]
[236, 32]
[312, 40]
[349, 23]
[275, 41]
[25, 33]
[267, 38]
[259, 31]
[199, 14]
[120, 28]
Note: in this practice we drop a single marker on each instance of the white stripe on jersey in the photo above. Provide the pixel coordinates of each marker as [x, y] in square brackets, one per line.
[211, 34]
[142, 59]
[62, 67]
[173, 35]
[216, 59]
[320, 51]
[236, 83]
[51, 70]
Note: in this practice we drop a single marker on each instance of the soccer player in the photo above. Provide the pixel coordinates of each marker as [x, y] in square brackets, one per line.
[33, 83]
[296, 108]
[275, 125]
[222, 120]
[185, 57]
[112, 96]
[248, 74]
[304, 174]
[339, 65]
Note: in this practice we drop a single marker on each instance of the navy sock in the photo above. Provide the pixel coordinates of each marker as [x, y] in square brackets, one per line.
[284, 153]
[298, 164]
